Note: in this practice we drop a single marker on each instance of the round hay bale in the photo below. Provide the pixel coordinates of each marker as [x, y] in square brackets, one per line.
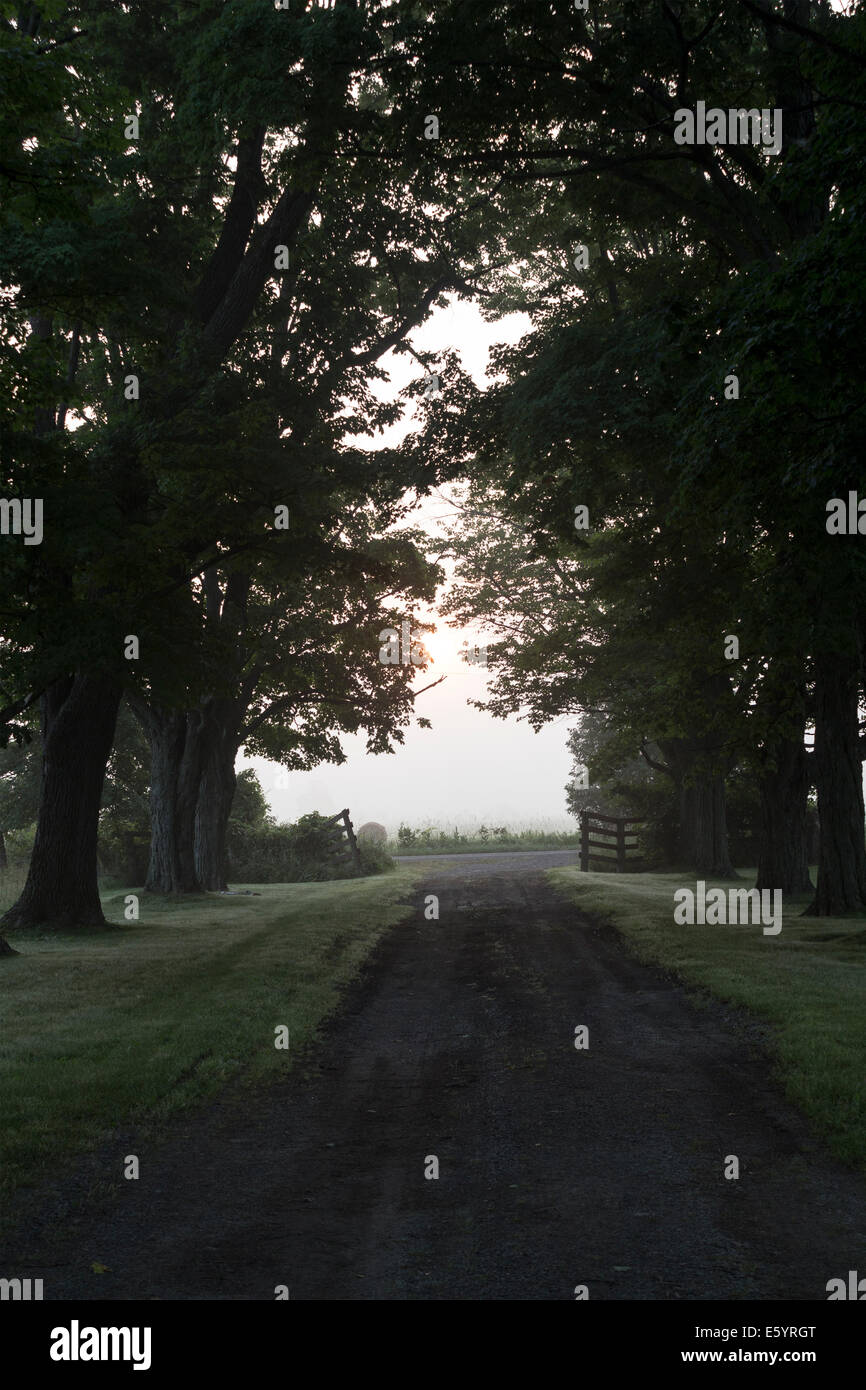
[373, 833]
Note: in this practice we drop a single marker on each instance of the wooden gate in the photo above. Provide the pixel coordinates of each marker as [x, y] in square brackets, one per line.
[618, 841]
[344, 845]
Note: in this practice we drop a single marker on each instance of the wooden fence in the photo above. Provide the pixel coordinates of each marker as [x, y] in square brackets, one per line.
[344, 845]
[616, 846]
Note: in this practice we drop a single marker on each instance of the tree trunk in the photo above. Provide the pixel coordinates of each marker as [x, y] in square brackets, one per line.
[784, 778]
[176, 767]
[5, 948]
[216, 794]
[79, 714]
[188, 782]
[702, 838]
[841, 884]
[704, 826]
[783, 859]
[166, 733]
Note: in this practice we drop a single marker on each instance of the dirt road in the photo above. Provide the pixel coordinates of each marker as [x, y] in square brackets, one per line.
[558, 1167]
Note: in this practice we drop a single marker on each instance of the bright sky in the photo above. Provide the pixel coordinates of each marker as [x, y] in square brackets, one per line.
[469, 769]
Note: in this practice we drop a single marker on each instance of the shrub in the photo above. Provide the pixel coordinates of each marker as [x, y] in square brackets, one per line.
[297, 853]
[743, 814]
[124, 850]
[375, 858]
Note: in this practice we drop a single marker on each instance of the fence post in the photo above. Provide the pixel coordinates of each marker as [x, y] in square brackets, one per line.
[620, 846]
[353, 843]
[584, 842]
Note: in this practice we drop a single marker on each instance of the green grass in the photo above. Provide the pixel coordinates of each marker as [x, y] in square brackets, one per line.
[808, 984]
[128, 1026]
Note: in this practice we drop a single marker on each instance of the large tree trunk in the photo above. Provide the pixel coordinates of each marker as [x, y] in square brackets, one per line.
[704, 826]
[166, 736]
[783, 859]
[702, 837]
[222, 719]
[79, 714]
[176, 767]
[841, 884]
[216, 794]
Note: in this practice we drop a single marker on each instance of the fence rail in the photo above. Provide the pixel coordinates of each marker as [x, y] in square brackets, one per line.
[616, 844]
[345, 846]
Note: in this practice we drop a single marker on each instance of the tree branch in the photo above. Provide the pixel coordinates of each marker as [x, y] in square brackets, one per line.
[659, 767]
[770, 16]
[240, 218]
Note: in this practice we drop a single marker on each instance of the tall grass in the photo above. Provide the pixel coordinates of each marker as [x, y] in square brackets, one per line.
[480, 839]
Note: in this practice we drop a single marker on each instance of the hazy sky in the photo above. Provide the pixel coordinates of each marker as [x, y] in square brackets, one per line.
[469, 768]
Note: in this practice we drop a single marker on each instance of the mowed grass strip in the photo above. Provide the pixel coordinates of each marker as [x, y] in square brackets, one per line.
[808, 984]
[105, 1029]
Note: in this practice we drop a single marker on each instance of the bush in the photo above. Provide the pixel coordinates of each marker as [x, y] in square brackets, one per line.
[375, 859]
[298, 853]
[124, 850]
[656, 804]
[19, 845]
[743, 812]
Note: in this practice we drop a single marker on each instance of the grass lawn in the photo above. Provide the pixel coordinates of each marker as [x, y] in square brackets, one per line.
[808, 983]
[105, 1029]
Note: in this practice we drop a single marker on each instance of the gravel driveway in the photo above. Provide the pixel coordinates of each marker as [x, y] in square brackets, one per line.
[557, 1167]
